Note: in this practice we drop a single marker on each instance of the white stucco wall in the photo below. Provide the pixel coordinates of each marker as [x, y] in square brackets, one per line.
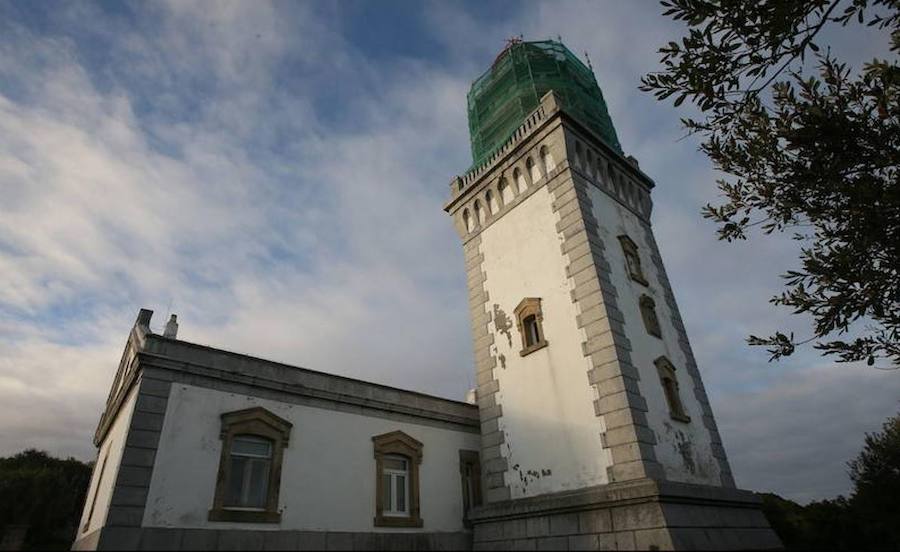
[682, 448]
[552, 437]
[328, 475]
[111, 448]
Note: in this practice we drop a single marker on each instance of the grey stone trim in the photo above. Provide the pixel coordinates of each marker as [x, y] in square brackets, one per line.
[170, 360]
[718, 449]
[606, 345]
[493, 464]
[235, 383]
[164, 538]
[132, 485]
[643, 514]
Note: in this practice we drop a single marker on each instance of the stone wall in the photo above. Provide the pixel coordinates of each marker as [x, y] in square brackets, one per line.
[236, 539]
[642, 515]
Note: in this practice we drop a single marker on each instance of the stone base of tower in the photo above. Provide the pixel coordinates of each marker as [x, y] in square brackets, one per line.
[637, 515]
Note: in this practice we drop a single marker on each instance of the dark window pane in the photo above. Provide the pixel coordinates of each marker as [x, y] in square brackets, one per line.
[401, 493]
[235, 481]
[386, 492]
[259, 484]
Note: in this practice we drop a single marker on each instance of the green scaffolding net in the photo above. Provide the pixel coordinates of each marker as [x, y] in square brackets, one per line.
[501, 99]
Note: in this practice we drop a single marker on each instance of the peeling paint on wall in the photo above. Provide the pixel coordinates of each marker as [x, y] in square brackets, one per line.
[502, 323]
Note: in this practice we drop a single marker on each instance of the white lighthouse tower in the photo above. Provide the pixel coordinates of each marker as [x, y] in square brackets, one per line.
[596, 428]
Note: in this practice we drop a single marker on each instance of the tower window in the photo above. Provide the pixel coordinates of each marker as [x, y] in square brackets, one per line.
[547, 160]
[648, 313]
[505, 192]
[468, 221]
[579, 155]
[397, 459]
[253, 443]
[529, 320]
[632, 260]
[491, 201]
[670, 388]
[533, 170]
[479, 213]
[521, 182]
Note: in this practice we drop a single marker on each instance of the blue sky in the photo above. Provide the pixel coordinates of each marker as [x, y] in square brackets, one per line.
[274, 173]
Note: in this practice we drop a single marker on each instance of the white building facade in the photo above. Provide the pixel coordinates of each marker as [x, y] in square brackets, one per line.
[206, 449]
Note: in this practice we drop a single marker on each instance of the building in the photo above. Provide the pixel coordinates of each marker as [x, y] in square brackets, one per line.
[592, 429]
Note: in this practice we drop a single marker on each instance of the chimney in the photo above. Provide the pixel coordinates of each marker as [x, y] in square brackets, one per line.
[171, 330]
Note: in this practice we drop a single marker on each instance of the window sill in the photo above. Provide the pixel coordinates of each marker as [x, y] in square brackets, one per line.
[680, 417]
[537, 346]
[391, 521]
[245, 516]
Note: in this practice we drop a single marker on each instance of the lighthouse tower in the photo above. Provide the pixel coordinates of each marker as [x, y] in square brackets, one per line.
[597, 432]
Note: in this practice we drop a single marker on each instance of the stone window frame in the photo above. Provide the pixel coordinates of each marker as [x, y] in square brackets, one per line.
[470, 458]
[530, 306]
[669, 381]
[257, 422]
[400, 444]
[630, 250]
[648, 313]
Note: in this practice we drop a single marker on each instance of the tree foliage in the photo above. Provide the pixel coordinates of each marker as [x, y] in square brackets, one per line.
[868, 520]
[44, 493]
[813, 152]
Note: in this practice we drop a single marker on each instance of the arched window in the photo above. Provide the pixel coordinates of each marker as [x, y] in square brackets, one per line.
[669, 383]
[648, 313]
[632, 260]
[479, 212]
[547, 160]
[397, 459]
[491, 201]
[533, 170]
[247, 487]
[529, 320]
[521, 182]
[505, 191]
[468, 221]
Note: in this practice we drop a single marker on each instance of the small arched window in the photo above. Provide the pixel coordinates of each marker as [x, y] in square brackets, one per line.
[632, 260]
[505, 191]
[648, 313]
[547, 160]
[533, 170]
[479, 212]
[529, 320]
[669, 383]
[468, 222]
[491, 201]
[521, 182]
